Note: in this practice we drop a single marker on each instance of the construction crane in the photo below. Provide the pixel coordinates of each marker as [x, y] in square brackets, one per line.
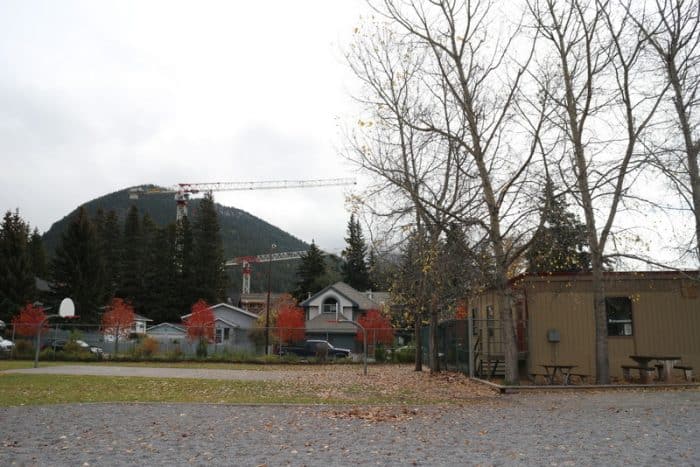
[247, 261]
[183, 191]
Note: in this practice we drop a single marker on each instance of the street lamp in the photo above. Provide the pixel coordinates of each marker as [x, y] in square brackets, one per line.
[267, 310]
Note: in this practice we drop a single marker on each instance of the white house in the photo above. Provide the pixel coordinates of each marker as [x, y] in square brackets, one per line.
[140, 324]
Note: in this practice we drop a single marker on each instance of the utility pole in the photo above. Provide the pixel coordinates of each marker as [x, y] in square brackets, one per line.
[267, 310]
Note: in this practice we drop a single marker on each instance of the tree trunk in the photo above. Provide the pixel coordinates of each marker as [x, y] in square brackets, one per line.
[602, 371]
[433, 341]
[510, 349]
[419, 344]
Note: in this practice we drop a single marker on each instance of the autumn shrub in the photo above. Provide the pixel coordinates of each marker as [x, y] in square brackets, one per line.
[148, 347]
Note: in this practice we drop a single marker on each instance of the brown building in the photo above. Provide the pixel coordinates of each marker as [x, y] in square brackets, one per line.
[648, 313]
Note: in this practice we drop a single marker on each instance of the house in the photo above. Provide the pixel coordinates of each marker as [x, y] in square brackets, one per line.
[140, 324]
[648, 313]
[232, 326]
[167, 332]
[339, 301]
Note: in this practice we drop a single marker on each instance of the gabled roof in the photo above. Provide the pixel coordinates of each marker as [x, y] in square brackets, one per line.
[227, 306]
[138, 317]
[233, 325]
[357, 298]
[176, 327]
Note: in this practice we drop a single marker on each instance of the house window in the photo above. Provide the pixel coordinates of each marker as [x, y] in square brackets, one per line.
[330, 305]
[227, 333]
[218, 336]
[619, 312]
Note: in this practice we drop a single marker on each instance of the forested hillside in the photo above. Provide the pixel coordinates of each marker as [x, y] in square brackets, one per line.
[241, 232]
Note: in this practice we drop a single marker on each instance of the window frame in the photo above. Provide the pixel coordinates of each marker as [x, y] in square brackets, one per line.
[620, 322]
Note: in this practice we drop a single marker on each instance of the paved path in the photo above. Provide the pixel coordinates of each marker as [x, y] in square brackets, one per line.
[577, 428]
[248, 375]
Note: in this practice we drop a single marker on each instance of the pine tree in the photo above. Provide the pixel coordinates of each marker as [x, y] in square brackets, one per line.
[311, 272]
[109, 238]
[210, 275]
[184, 264]
[76, 269]
[560, 244]
[130, 274]
[160, 277]
[37, 255]
[355, 268]
[16, 275]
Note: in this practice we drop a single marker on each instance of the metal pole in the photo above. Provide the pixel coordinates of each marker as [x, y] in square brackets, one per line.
[470, 350]
[267, 310]
[364, 338]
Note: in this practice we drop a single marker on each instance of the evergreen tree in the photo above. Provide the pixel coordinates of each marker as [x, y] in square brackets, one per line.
[16, 275]
[355, 268]
[130, 274]
[37, 255]
[76, 269]
[560, 244]
[311, 272]
[160, 277]
[210, 275]
[184, 264]
[109, 238]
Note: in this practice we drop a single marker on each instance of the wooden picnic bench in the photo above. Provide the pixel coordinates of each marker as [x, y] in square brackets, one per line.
[687, 371]
[646, 373]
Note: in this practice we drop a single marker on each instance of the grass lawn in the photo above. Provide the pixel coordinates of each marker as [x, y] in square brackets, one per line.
[311, 384]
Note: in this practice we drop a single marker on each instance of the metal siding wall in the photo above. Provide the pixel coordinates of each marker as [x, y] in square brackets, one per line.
[664, 323]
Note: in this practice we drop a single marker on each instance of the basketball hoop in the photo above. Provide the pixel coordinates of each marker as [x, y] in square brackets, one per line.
[67, 309]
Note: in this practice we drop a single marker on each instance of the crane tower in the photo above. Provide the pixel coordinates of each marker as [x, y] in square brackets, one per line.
[183, 191]
[246, 263]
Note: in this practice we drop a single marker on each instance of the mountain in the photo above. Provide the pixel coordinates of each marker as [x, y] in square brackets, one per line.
[242, 233]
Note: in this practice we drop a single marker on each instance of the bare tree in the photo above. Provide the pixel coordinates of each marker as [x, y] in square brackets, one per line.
[469, 80]
[672, 28]
[601, 113]
[415, 172]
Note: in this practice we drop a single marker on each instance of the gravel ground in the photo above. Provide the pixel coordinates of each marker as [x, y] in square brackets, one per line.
[579, 428]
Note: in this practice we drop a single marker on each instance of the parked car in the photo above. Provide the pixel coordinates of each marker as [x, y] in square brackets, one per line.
[315, 347]
[6, 345]
[92, 348]
[56, 345]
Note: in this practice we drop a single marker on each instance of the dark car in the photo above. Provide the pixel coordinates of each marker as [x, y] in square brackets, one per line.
[315, 348]
[56, 345]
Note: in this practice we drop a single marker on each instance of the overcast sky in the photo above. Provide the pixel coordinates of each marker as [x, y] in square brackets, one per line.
[99, 96]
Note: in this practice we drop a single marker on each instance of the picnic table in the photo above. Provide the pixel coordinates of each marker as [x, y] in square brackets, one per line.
[551, 371]
[667, 361]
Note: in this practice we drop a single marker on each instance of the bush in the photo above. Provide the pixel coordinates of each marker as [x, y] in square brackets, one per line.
[404, 355]
[24, 348]
[202, 349]
[148, 347]
[379, 353]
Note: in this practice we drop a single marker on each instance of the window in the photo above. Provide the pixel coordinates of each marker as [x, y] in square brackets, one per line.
[330, 305]
[619, 312]
[226, 333]
[218, 336]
